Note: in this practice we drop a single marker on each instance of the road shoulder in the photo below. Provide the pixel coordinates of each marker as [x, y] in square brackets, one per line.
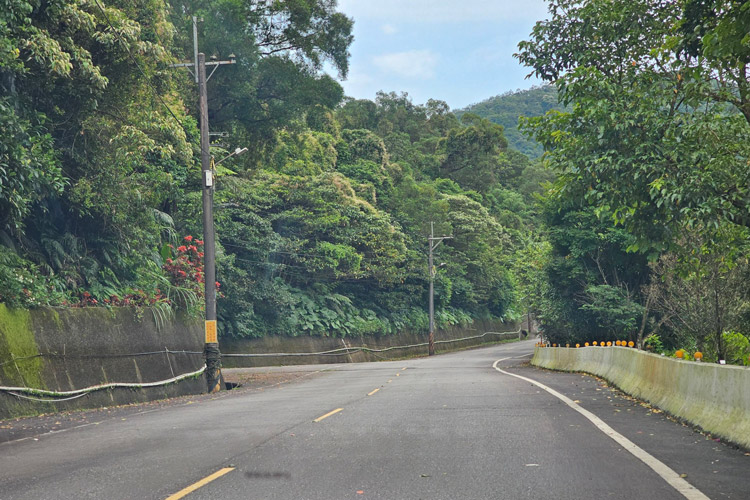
[703, 460]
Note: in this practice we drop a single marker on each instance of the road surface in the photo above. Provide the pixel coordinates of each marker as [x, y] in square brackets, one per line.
[453, 426]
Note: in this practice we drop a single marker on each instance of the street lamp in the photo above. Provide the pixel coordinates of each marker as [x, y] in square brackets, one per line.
[236, 152]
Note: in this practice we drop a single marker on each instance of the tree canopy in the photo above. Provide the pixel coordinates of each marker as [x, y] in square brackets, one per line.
[321, 229]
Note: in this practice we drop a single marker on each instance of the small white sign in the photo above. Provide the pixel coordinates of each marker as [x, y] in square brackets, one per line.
[209, 178]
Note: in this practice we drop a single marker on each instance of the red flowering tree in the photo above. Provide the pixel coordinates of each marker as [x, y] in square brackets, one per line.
[185, 272]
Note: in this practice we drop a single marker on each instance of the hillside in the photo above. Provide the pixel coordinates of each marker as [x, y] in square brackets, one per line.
[320, 229]
[505, 109]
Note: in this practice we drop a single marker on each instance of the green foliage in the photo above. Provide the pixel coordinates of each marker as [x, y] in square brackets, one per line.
[280, 48]
[653, 344]
[22, 285]
[471, 154]
[29, 167]
[593, 285]
[507, 108]
[635, 140]
[613, 311]
[737, 348]
[321, 229]
[651, 149]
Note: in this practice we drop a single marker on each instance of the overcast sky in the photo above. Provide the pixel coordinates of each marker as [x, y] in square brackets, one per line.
[458, 51]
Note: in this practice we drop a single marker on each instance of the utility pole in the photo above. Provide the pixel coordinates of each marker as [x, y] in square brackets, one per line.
[211, 347]
[433, 243]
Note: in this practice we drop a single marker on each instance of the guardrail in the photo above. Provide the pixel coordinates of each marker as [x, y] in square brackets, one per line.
[713, 397]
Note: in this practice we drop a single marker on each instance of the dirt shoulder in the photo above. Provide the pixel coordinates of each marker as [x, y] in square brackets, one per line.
[245, 379]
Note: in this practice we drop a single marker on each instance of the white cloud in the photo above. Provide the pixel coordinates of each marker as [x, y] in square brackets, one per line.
[445, 11]
[358, 78]
[389, 29]
[415, 64]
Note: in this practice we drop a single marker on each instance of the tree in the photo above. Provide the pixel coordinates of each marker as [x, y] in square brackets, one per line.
[593, 289]
[653, 136]
[471, 154]
[697, 299]
[280, 48]
[507, 108]
[96, 138]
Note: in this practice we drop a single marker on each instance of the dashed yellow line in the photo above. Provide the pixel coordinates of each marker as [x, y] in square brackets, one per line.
[373, 392]
[186, 491]
[328, 414]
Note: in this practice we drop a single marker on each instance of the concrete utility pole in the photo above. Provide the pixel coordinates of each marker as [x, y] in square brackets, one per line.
[433, 246]
[211, 348]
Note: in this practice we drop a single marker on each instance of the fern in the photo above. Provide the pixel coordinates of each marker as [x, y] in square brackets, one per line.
[163, 312]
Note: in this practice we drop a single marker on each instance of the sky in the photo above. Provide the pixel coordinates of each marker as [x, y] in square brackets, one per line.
[458, 51]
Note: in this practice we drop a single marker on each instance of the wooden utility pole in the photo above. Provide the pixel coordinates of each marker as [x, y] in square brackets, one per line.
[433, 246]
[211, 347]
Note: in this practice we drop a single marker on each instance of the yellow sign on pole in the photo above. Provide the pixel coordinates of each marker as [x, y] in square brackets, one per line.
[211, 337]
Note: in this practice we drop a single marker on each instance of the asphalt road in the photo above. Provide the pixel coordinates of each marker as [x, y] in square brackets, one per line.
[446, 427]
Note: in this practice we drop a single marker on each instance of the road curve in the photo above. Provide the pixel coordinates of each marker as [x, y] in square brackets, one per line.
[445, 427]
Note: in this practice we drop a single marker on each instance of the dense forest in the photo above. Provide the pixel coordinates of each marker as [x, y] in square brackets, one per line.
[633, 224]
[506, 109]
[322, 227]
[647, 221]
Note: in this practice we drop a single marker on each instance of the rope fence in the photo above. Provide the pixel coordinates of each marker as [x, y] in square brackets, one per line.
[342, 351]
[68, 395]
[58, 396]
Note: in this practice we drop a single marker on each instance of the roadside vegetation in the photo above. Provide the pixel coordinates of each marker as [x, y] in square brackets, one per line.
[322, 227]
[647, 220]
[633, 225]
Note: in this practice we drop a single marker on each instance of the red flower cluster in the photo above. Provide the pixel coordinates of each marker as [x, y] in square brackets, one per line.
[86, 301]
[136, 298]
[186, 268]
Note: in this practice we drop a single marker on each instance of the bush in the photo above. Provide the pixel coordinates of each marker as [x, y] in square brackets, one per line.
[737, 347]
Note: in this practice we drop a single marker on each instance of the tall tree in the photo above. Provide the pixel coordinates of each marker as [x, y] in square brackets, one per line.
[657, 132]
[280, 48]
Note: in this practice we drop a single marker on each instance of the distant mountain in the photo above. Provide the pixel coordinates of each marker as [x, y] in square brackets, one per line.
[505, 109]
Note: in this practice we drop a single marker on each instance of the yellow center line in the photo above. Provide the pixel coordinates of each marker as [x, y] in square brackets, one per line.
[328, 414]
[186, 491]
[373, 392]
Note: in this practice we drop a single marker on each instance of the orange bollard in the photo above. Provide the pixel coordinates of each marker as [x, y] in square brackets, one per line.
[631, 344]
[698, 356]
[679, 354]
[586, 344]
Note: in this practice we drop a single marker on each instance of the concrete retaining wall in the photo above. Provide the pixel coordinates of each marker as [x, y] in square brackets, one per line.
[70, 349]
[321, 344]
[714, 397]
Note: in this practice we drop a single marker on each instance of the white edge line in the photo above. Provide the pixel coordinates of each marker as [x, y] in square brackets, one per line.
[683, 487]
